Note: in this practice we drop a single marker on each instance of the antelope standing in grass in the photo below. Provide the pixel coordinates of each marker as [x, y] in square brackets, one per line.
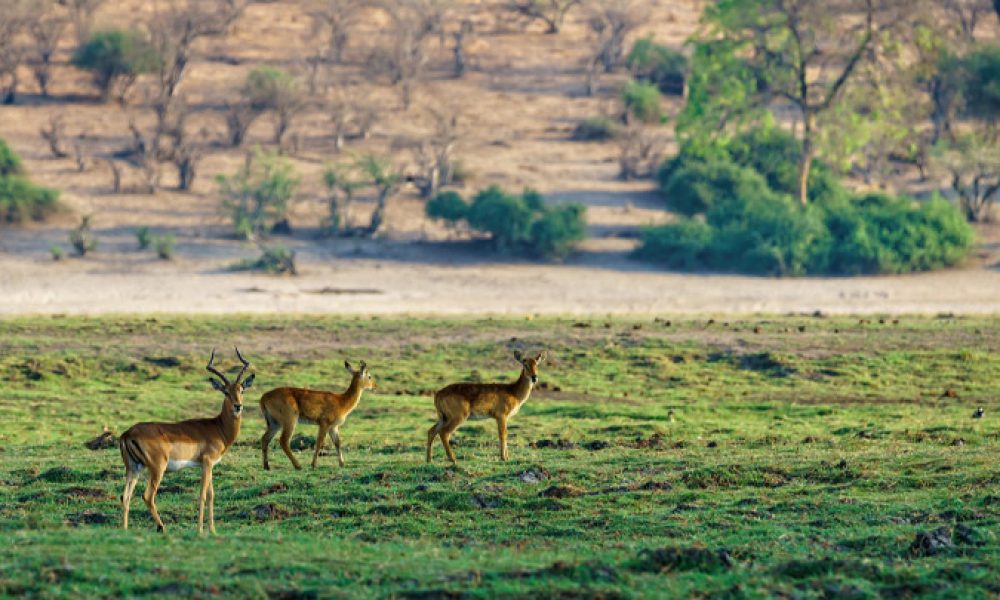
[283, 408]
[500, 401]
[162, 447]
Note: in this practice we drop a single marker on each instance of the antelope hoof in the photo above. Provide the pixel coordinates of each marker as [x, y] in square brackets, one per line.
[160, 529]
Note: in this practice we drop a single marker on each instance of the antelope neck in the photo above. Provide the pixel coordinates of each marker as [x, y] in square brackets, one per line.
[353, 392]
[523, 385]
[228, 423]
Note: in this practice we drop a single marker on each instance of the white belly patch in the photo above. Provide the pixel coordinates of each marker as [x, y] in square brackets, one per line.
[177, 465]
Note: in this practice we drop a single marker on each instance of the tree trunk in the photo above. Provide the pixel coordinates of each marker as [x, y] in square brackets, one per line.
[805, 162]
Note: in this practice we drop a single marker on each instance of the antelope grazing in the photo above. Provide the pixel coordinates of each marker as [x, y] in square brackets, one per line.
[162, 447]
[501, 401]
[284, 407]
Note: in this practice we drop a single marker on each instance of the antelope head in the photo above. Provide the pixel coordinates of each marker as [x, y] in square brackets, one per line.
[361, 375]
[530, 365]
[233, 391]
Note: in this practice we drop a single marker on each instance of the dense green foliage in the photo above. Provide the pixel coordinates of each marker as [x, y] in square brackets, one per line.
[659, 65]
[595, 129]
[743, 190]
[258, 195]
[643, 102]
[21, 200]
[519, 224]
[10, 162]
[813, 453]
[117, 56]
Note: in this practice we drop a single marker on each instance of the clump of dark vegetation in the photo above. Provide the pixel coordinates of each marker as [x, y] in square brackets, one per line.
[516, 224]
[669, 559]
[596, 129]
[116, 58]
[276, 259]
[82, 238]
[741, 215]
[21, 200]
[164, 246]
[657, 64]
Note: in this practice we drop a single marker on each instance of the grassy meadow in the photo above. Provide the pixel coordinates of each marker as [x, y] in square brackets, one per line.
[786, 456]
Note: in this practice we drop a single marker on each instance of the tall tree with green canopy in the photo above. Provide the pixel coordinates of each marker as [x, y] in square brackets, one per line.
[756, 54]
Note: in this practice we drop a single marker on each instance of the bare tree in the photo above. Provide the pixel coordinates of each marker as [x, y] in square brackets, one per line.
[966, 15]
[82, 14]
[175, 29]
[380, 174]
[640, 150]
[15, 17]
[240, 115]
[434, 153]
[550, 12]
[335, 19]
[54, 134]
[403, 59]
[613, 21]
[352, 113]
[46, 28]
[464, 30]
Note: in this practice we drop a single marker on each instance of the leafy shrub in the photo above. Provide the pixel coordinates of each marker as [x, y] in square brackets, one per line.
[273, 259]
[265, 87]
[595, 129]
[659, 65]
[21, 200]
[643, 102]
[56, 251]
[557, 231]
[515, 223]
[258, 196]
[117, 57]
[143, 237]
[744, 189]
[980, 81]
[164, 246]
[10, 162]
[82, 239]
[448, 206]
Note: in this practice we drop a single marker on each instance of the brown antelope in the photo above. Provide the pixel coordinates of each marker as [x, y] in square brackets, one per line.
[501, 401]
[284, 407]
[162, 447]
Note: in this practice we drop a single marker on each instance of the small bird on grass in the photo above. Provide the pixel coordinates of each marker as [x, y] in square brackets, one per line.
[979, 413]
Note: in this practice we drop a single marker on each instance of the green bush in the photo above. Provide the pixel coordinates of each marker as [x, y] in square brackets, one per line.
[117, 57]
[507, 218]
[164, 246]
[269, 88]
[659, 65]
[10, 162]
[595, 129]
[448, 206]
[82, 239]
[555, 233]
[21, 200]
[258, 196]
[744, 190]
[643, 102]
[515, 223]
[143, 237]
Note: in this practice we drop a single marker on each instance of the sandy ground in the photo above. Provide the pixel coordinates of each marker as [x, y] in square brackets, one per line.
[450, 279]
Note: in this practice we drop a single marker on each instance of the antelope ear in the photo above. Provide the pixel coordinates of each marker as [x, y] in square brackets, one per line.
[248, 382]
[518, 356]
[363, 366]
[541, 356]
[217, 385]
[347, 365]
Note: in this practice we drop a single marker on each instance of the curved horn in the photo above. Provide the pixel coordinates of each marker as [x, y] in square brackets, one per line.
[215, 371]
[246, 364]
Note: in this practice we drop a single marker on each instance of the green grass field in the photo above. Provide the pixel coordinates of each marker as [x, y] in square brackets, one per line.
[786, 456]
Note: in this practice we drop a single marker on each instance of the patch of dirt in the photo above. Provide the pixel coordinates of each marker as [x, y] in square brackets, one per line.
[596, 445]
[931, 543]
[274, 489]
[87, 517]
[558, 444]
[103, 441]
[270, 512]
[653, 442]
[665, 560]
[85, 493]
[534, 475]
[61, 475]
[482, 501]
[561, 491]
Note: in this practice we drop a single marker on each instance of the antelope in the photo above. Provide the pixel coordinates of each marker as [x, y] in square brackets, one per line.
[283, 408]
[162, 447]
[501, 401]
